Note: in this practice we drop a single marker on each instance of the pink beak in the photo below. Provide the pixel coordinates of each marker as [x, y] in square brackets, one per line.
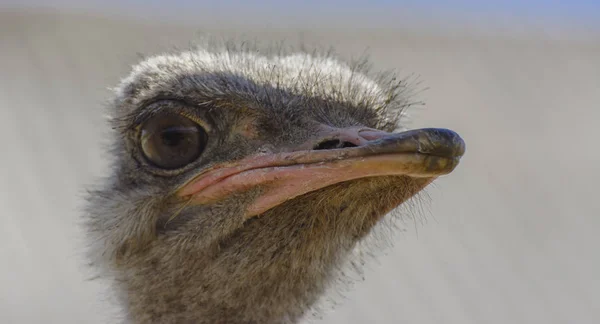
[340, 155]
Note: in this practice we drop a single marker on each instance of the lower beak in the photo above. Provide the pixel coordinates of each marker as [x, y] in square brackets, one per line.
[422, 153]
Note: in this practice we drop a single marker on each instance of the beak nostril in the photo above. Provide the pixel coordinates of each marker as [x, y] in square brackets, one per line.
[333, 144]
[348, 144]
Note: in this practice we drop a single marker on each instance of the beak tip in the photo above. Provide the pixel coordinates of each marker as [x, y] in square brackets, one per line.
[440, 142]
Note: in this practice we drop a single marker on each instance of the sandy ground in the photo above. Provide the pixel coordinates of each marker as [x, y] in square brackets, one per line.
[511, 236]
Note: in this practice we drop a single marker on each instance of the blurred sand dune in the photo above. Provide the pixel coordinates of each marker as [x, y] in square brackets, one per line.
[514, 232]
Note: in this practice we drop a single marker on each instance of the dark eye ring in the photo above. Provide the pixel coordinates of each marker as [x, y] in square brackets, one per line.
[171, 141]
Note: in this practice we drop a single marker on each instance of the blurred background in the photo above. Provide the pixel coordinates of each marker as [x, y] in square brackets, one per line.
[510, 237]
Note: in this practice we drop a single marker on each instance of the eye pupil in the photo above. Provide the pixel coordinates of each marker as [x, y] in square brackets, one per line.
[173, 136]
[171, 141]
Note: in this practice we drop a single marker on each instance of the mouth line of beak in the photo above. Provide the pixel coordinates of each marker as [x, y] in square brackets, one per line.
[423, 153]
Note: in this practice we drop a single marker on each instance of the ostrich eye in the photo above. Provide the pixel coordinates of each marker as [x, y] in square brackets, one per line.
[171, 141]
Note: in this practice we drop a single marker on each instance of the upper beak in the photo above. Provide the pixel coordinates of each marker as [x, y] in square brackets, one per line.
[338, 155]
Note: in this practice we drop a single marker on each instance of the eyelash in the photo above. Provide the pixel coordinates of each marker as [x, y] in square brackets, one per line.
[172, 106]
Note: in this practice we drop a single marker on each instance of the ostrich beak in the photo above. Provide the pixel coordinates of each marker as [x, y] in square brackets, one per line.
[356, 153]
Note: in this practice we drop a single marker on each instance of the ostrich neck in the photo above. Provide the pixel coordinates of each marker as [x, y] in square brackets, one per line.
[278, 282]
[271, 270]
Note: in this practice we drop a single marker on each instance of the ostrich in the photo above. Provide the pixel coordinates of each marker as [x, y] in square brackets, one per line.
[243, 179]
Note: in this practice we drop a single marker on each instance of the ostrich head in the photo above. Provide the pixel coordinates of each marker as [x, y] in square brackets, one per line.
[242, 180]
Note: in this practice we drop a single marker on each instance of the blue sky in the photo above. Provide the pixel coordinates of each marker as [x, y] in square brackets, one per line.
[548, 8]
[523, 7]
[576, 12]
